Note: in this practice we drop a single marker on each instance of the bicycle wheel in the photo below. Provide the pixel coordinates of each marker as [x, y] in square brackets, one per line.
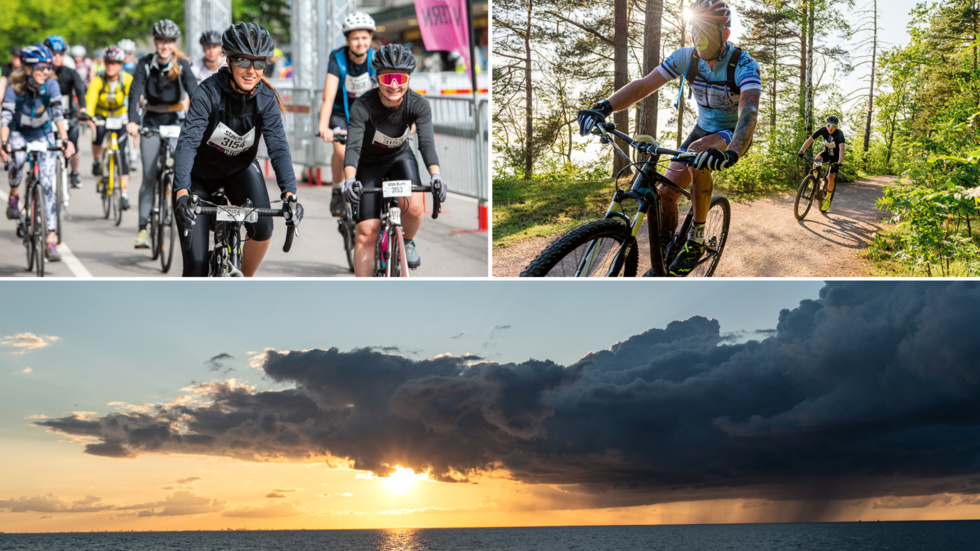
[826, 190]
[715, 236]
[804, 197]
[117, 210]
[347, 232]
[590, 250]
[154, 220]
[60, 194]
[40, 229]
[397, 264]
[168, 224]
[27, 224]
[107, 184]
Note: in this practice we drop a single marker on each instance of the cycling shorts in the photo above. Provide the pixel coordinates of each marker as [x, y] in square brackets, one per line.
[823, 156]
[403, 166]
[338, 120]
[699, 133]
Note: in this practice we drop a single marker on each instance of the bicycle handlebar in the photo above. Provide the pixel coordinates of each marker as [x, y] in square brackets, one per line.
[206, 207]
[436, 203]
[337, 136]
[605, 128]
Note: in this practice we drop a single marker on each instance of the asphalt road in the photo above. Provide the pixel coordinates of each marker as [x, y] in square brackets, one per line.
[93, 247]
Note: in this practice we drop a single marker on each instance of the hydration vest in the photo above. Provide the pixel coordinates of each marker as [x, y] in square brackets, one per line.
[692, 71]
[341, 56]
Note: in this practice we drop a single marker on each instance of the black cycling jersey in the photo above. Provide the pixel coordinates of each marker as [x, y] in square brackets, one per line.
[70, 81]
[220, 136]
[151, 81]
[831, 142]
[378, 134]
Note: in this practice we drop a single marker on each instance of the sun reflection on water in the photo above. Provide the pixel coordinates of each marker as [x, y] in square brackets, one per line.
[403, 539]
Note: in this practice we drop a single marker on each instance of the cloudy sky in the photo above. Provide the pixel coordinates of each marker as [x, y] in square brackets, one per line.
[274, 405]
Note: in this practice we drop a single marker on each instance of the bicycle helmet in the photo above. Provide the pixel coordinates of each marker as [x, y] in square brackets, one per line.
[55, 43]
[712, 10]
[114, 53]
[833, 120]
[394, 57]
[210, 36]
[127, 45]
[248, 39]
[358, 21]
[78, 51]
[38, 53]
[166, 28]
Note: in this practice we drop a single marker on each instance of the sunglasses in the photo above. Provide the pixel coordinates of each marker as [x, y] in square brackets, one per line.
[391, 79]
[42, 67]
[831, 125]
[244, 62]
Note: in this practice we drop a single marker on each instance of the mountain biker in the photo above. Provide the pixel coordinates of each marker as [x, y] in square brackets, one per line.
[219, 141]
[212, 60]
[349, 75]
[727, 90]
[72, 97]
[162, 78]
[106, 97]
[833, 152]
[377, 149]
[32, 111]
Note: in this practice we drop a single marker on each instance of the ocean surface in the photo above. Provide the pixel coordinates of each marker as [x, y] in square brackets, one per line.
[920, 536]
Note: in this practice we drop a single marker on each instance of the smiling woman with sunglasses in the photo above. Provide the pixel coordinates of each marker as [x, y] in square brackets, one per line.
[230, 112]
[377, 149]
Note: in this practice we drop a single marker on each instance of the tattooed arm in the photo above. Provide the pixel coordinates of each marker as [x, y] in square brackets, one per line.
[748, 115]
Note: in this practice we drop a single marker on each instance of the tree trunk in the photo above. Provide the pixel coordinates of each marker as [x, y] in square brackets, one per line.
[804, 59]
[680, 100]
[647, 123]
[772, 95]
[871, 93]
[809, 66]
[620, 73]
[528, 97]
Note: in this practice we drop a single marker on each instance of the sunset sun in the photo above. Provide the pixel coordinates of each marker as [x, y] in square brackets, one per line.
[402, 480]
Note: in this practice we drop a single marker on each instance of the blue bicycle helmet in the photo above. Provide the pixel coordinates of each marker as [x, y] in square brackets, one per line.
[56, 43]
[38, 53]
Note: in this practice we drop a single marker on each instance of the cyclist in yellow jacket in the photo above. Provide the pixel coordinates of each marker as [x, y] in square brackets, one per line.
[106, 98]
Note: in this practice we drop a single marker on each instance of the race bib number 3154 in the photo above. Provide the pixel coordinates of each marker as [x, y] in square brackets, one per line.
[229, 142]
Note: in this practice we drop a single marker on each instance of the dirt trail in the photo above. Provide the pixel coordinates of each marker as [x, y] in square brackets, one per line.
[766, 240]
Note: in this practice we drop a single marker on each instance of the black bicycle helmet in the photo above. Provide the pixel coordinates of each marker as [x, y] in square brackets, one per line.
[833, 120]
[715, 11]
[248, 39]
[393, 57]
[166, 28]
[210, 36]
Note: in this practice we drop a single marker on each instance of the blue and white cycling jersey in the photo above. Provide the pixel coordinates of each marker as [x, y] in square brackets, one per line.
[717, 106]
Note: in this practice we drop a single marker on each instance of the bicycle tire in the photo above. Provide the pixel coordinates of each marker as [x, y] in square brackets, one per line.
[396, 253]
[805, 195]
[40, 230]
[117, 196]
[26, 223]
[107, 182]
[59, 197]
[347, 233]
[153, 221]
[715, 236]
[563, 257]
[168, 225]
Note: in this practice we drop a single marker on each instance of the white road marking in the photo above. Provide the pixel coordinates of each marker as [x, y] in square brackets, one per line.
[69, 259]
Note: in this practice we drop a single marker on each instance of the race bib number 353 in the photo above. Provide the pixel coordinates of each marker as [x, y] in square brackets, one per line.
[229, 142]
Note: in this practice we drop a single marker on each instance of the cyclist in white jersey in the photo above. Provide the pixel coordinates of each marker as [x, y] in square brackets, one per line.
[726, 83]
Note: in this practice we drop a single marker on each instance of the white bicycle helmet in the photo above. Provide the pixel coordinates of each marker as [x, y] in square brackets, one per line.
[358, 21]
[127, 45]
[78, 51]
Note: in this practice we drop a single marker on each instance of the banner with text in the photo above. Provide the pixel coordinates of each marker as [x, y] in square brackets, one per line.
[444, 27]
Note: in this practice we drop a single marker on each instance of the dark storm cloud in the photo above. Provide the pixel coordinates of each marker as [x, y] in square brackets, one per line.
[217, 363]
[873, 390]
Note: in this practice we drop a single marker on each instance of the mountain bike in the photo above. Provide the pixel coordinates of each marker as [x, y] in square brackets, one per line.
[389, 251]
[225, 259]
[163, 225]
[347, 222]
[607, 247]
[32, 220]
[814, 187]
[110, 182]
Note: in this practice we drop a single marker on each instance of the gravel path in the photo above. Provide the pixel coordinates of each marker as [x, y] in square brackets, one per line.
[766, 240]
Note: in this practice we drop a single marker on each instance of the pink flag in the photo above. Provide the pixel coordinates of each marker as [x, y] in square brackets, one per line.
[444, 27]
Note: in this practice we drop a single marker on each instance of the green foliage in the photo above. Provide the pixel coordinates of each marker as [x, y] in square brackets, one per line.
[271, 14]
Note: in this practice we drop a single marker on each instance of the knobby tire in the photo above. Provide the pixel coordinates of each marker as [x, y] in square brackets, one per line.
[563, 257]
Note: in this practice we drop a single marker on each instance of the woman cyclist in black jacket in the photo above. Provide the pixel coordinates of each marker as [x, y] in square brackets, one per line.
[230, 112]
[162, 79]
[377, 149]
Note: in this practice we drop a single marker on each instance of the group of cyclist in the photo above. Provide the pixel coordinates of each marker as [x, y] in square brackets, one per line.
[726, 83]
[225, 104]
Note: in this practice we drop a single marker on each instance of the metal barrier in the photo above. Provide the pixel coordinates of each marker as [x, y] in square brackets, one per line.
[461, 138]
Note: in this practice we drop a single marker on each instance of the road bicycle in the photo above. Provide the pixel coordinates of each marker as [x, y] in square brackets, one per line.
[225, 259]
[110, 182]
[389, 251]
[347, 223]
[163, 225]
[814, 187]
[32, 218]
[607, 247]
[62, 191]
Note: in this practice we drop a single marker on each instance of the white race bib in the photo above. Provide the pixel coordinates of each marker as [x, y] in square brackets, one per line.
[227, 141]
[389, 142]
[357, 85]
[396, 188]
[170, 131]
[115, 123]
